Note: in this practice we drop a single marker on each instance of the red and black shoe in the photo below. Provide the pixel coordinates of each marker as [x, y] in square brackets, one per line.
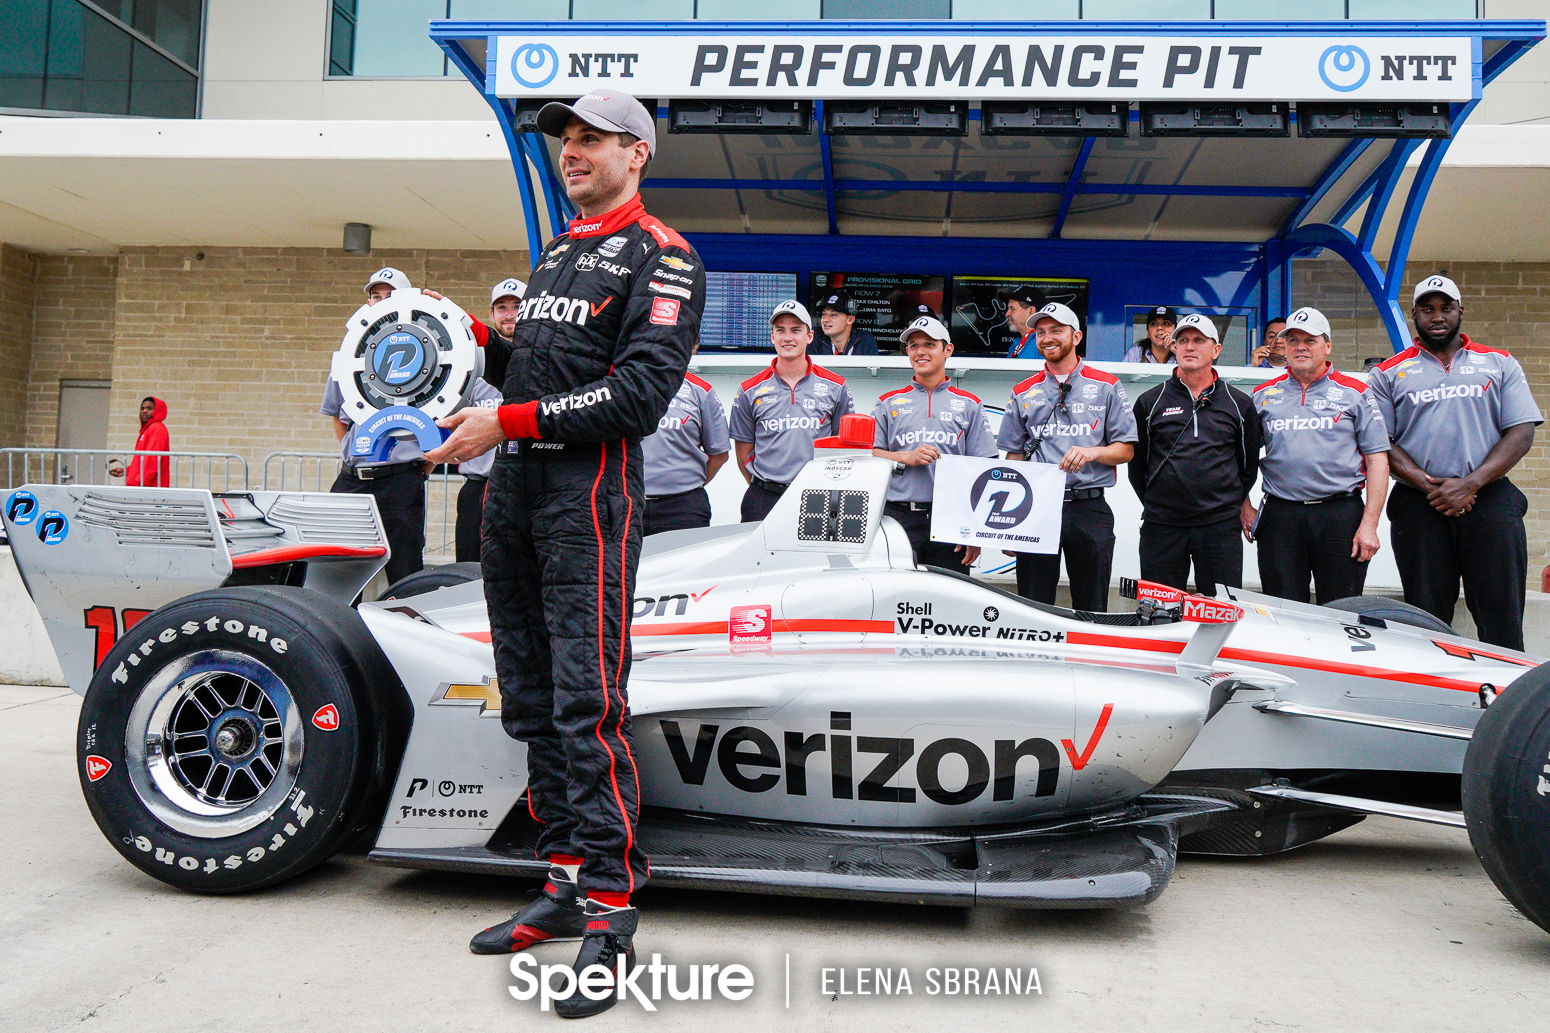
[608, 939]
[559, 913]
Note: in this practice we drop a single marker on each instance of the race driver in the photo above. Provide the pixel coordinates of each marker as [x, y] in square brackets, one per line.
[601, 344]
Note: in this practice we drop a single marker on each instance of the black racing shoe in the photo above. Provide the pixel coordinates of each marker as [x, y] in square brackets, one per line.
[559, 913]
[610, 933]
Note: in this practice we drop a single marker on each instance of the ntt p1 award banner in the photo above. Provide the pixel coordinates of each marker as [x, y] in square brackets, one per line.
[997, 504]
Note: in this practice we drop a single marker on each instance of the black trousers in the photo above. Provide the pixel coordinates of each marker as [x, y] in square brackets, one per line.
[917, 525]
[561, 544]
[1298, 542]
[1216, 550]
[1486, 547]
[401, 504]
[757, 503]
[470, 519]
[678, 512]
[1087, 542]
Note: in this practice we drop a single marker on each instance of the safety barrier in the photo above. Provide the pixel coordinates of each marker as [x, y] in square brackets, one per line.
[315, 471]
[215, 471]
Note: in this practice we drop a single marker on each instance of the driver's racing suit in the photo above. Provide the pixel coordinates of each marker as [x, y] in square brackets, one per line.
[601, 345]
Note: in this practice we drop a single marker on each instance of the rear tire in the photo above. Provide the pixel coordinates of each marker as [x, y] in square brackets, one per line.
[1506, 793]
[238, 737]
[1394, 610]
[430, 579]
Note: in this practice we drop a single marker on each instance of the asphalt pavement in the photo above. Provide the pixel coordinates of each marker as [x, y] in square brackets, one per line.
[1385, 926]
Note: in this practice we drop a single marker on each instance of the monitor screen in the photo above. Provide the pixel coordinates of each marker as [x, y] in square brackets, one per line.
[738, 307]
[886, 303]
[979, 309]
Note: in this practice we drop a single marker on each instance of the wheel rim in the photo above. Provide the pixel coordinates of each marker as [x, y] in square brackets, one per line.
[214, 743]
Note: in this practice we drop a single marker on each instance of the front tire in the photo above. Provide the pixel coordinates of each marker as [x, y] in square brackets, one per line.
[1394, 610]
[430, 579]
[231, 740]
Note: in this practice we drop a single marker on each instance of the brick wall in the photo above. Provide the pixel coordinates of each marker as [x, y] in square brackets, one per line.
[16, 292]
[72, 334]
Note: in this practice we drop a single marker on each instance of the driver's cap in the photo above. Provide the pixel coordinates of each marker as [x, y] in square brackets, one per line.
[1199, 322]
[607, 110]
[394, 278]
[1438, 284]
[507, 288]
[1059, 313]
[792, 308]
[1309, 321]
[928, 325]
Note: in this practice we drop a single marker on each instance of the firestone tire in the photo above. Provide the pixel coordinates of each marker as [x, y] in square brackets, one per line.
[430, 579]
[1394, 610]
[1506, 793]
[223, 743]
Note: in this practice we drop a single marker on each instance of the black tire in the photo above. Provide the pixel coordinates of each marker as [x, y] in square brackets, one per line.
[1506, 792]
[288, 675]
[430, 579]
[1394, 610]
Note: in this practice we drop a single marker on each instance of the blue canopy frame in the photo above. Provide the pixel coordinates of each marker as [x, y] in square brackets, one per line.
[1263, 269]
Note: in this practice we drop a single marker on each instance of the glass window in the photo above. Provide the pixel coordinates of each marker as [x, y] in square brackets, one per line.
[172, 24]
[509, 10]
[159, 88]
[632, 11]
[88, 62]
[391, 37]
[1146, 10]
[1017, 10]
[341, 39]
[1280, 10]
[887, 9]
[23, 43]
[1411, 10]
[742, 11]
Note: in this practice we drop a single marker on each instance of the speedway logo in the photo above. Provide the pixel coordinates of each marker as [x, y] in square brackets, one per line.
[577, 401]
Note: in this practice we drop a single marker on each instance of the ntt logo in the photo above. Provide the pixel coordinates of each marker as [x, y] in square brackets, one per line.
[1344, 68]
[535, 65]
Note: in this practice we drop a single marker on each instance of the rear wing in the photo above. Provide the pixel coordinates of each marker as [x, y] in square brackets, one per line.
[97, 559]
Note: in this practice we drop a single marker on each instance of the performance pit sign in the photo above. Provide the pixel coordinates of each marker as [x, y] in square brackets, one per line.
[996, 504]
[1032, 66]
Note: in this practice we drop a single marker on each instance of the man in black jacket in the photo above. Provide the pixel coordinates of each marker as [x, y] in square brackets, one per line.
[601, 344]
[1197, 456]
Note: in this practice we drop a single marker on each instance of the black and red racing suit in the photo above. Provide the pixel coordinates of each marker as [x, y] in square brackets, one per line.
[601, 344]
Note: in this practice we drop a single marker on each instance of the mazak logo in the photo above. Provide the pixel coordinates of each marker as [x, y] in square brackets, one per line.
[1208, 611]
[1008, 494]
[535, 65]
[1344, 68]
[750, 625]
[21, 507]
[578, 401]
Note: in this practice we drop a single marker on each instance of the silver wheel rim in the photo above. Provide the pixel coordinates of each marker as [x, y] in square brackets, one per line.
[214, 743]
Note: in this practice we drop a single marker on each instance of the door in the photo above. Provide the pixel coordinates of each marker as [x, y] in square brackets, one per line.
[83, 424]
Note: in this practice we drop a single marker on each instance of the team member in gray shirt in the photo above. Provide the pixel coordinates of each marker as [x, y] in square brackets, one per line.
[778, 414]
[917, 425]
[1079, 419]
[690, 445]
[1324, 441]
[1461, 416]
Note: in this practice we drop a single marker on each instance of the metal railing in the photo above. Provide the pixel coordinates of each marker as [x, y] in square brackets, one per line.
[315, 471]
[215, 471]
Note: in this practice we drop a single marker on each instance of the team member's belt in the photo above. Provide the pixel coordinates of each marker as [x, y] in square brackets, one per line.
[1081, 494]
[773, 487]
[1337, 496]
[477, 478]
[674, 495]
[372, 473]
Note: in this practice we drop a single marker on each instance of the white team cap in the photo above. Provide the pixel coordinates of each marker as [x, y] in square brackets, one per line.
[1199, 322]
[394, 278]
[1058, 312]
[508, 288]
[792, 308]
[1437, 285]
[1309, 321]
[927, 325]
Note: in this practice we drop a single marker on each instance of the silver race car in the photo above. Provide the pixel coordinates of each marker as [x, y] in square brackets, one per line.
[813, 713]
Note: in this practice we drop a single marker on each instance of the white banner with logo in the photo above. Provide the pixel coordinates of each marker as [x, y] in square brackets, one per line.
[997, 504]
[822, 65]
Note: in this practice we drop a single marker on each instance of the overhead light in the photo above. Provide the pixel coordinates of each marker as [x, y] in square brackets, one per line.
[1414, 121]
[357, 238]
[1215, 120]
[1042, 118]
[524, 113]
[79, 251]
[897, 118]
[740, 116]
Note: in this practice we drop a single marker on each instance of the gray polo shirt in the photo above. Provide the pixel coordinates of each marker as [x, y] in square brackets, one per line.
[1096, 412]
[483, 396]
[1449, 419]
[952, 420]
[695, 426]
[1141, 351]
[405, 450]
[783, 421]
[1315, 437]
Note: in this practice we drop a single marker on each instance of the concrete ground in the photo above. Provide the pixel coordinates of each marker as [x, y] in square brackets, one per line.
[1386, 926]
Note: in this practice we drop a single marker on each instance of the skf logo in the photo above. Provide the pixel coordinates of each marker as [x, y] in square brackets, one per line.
[485, 696]
[327, 718]
[750, 625]
[96, 767]
[1208, 611]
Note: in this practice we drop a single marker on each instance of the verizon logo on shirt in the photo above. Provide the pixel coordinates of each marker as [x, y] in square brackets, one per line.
[1438, 394]
[1300, 423]
[580, 401]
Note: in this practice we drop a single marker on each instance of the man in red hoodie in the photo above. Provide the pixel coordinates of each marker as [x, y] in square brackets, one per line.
[145, 472]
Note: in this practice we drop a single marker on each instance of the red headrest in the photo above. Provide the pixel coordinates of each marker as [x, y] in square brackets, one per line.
[856, 431]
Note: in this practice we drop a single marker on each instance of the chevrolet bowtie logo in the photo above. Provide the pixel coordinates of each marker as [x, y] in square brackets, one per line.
[485, 695]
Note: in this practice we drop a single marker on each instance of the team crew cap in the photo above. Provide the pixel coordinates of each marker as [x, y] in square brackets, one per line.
[1438, 284]
[1199, 322]
[839, 301]
[1059, 313]
[394, 278]
[929, 325]
[608, 110]
[1162, 313]
[792, 308]
[1309, 321]
[507, 288]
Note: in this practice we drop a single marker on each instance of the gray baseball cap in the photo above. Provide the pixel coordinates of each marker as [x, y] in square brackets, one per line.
[609, 111]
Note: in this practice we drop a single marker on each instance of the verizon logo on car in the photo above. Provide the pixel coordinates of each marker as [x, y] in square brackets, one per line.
[1157, 593]
[1209, 611]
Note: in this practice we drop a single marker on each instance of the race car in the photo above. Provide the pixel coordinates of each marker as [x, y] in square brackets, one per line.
[813, 712]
